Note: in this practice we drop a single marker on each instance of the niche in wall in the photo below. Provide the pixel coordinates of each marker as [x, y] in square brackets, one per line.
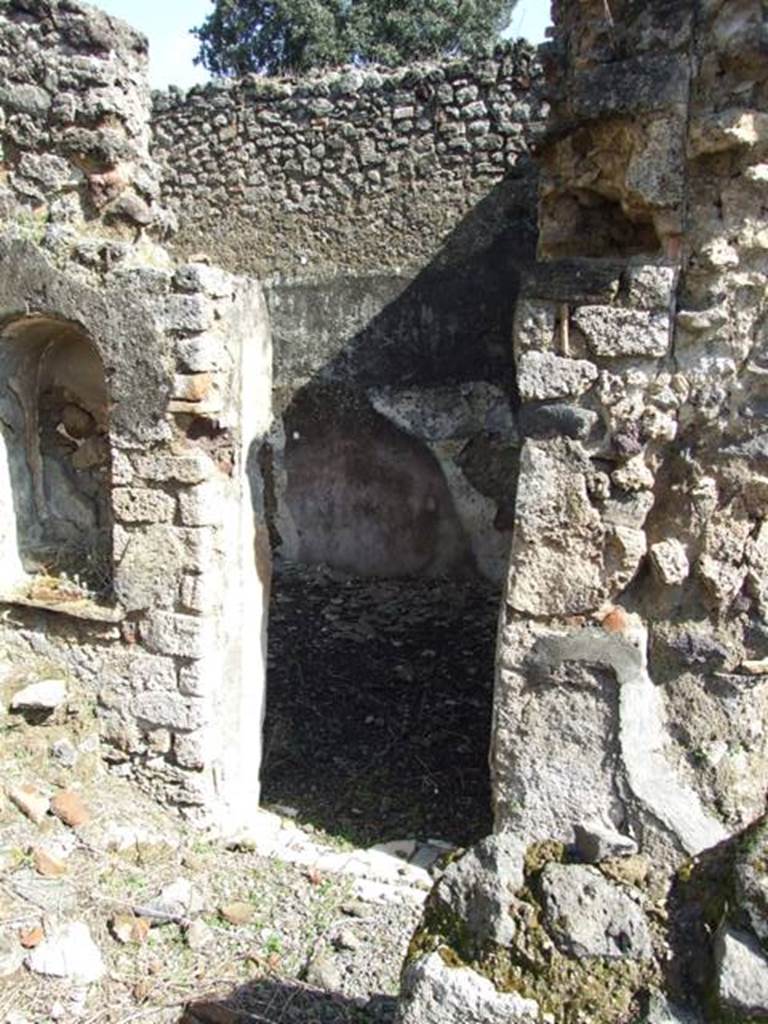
[55, 518]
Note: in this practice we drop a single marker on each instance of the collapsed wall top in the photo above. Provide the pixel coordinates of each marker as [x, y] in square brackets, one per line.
[74, 115]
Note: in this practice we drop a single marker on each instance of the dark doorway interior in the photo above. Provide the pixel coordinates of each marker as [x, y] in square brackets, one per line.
[379, 703]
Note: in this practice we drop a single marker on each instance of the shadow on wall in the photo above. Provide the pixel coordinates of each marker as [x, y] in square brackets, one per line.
[360, 491]
[366, 497]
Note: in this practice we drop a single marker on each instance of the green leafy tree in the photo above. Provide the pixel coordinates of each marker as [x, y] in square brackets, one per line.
[277, 36]
[401, 31]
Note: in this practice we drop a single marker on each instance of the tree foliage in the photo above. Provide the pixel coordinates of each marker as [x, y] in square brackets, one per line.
[278, 36]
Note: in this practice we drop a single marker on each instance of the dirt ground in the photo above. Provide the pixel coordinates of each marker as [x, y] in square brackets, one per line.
[378, 723]
[379, 705]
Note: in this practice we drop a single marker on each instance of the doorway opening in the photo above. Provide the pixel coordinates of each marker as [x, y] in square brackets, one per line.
[382, 634]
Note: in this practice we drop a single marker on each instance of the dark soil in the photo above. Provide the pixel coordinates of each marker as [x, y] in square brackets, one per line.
[379, 705]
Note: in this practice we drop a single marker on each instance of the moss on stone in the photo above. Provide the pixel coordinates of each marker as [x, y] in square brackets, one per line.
[539, 855]
[595, 989]
[573, 991]
[441, 930]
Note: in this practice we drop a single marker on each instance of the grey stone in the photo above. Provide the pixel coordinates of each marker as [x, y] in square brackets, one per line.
[186, 636]
[203, 353]
[573, 282]
[480, 887]
[199, 277]
[742, 973]
[640, 84]
[542, 375]
[51, 171]
[557, 420]
[435, 993]
[64, 752]
[188, 314]
[548, 576]
[651, 287]
[184, 469]
[68, 952]
[46, 695]
[158, 709]
[597, 841]
[177, 901]
[670, 560]
[651, 777]
[697, 647]
[27, 99]
[588, 916]
[143, 505]
[149, 572]
[612, 332]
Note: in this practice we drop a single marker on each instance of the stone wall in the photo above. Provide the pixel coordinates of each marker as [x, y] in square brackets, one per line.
[362, 170]
[126, 442]
[390, 212]
[640, 526]
[630, 759]
[75, 126]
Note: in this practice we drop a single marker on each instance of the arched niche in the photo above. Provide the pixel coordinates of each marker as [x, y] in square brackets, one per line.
[55, 467]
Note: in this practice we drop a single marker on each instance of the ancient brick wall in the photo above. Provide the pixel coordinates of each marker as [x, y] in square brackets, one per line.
[125, 442]
[640, 347]
[632, 687]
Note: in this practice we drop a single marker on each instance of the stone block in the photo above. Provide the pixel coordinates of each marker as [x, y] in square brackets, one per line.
[122, 469]
[651, 287]
[204, 353]
[197, 680]
[534, 326]
[556, 566]
[49, 171]
[597, 841]
[130, 671]
[45, 695]
[183, 469]
[557, 420]
[171, 710]
[434, 992]
[204, 505]
[574, 281]
[615, 333]
[480, 887]
[588, 916]
[150, 568]
[184, 636]
[670, 561]
[25, 99]
[741, 966]
[542, 376]
[191, 750]
[187, 314]
[643, 84]
[143, 505]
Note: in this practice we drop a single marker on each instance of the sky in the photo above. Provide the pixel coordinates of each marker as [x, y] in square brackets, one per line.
[172, 48]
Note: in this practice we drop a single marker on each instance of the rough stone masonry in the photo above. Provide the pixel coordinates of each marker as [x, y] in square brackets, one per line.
[627, 878]
[133, 561]
[626, 881]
